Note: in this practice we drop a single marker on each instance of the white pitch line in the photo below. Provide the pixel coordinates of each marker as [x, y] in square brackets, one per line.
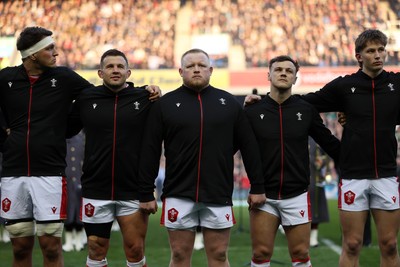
[332, 246]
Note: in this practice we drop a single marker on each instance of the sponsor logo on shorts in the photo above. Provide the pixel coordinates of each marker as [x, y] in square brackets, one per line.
[89, 210]
[172, 215]
[6, 205]
[349, 197]
[54, 209]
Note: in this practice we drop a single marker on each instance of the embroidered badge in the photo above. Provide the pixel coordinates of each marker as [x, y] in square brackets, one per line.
[6, 205]
[89, 210]
[349, 197]
[172, 215]
[53, 82]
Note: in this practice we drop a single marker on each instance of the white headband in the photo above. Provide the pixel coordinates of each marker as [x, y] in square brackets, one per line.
[37, 47]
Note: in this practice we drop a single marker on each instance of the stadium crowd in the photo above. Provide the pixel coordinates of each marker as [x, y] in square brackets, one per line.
[316, 33]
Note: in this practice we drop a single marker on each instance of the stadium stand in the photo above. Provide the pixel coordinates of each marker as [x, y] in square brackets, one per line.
[153, 33]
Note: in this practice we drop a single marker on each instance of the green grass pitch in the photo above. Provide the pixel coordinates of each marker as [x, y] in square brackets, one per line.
[158, 253]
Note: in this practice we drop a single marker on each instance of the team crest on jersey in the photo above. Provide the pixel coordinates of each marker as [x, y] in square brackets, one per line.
[136, 104]
[353, 89]
[53, 82]
[262, 116]
[223, 101]
[173, 215]
[5, 205]
[299, 116]
[349, 197]
[89, 210]
[94, 105]
[9, 84]
[391, 86]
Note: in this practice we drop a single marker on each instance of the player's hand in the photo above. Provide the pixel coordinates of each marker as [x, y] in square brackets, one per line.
[155, 92]
[148, 207]
[251, 99]
[256, 200]
[341, 118]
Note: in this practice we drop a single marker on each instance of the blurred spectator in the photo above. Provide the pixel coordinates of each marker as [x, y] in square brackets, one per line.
[87, 28]
[145, 29]
[74, 235]
[324, 28]
[319, 168]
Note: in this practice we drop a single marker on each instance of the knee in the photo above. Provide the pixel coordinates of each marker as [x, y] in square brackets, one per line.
[135, 252]
[178, 256]
[97, 247]
[261, 254]
[52, 253]
[22, 252]
[352, 246]
[220, 255]
[300, 253]
[389, 248]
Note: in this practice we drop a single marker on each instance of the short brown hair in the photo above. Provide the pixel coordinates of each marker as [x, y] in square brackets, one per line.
[284, 58]
[370, 35]
[31, 36]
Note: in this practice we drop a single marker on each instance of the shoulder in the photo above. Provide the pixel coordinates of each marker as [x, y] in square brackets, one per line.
[297, 99]
[92, 90]
[62, 70]
[135, 90]
[223, 96]
[262, 103]
[67, 74]
[173, 94]
[10, 71]
[391, 74]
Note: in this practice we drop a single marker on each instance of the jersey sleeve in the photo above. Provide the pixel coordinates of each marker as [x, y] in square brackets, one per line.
[150, 153]
[246, 141]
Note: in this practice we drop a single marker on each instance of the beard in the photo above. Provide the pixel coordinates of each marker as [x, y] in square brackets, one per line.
[197, 85]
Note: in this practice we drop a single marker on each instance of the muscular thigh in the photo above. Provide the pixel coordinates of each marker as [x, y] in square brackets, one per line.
[298, 236]
[134, 226]
[263, 227]
[216, 239]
